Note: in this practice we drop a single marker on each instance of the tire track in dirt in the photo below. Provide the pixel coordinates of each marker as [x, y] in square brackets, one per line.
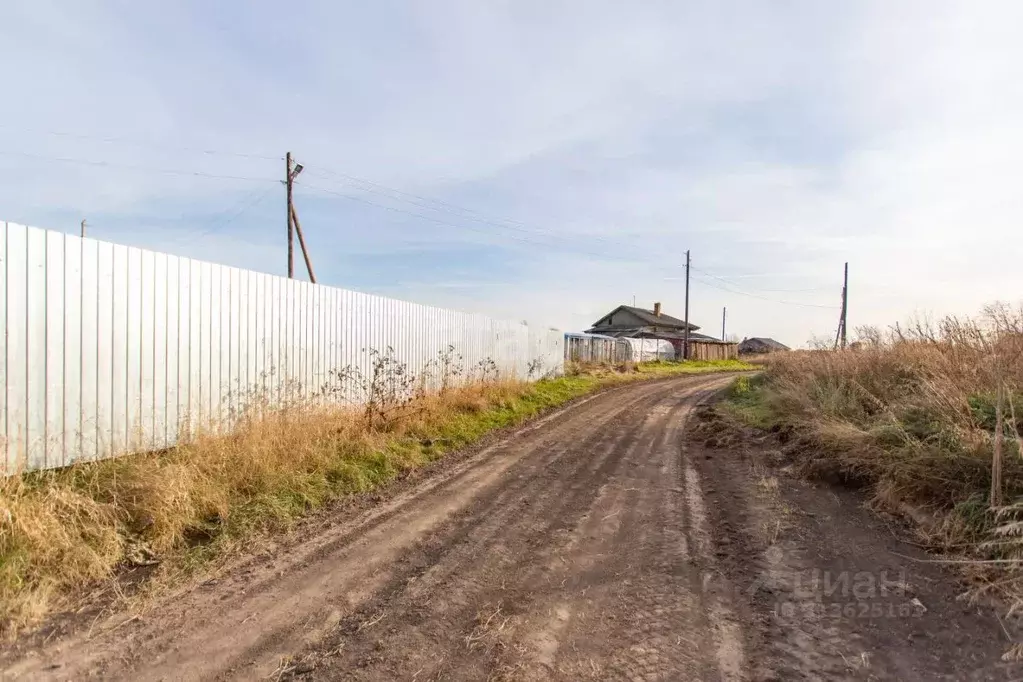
[646, 612]
[551, 599]
[479, 520]
[439, 550]
[513, 571]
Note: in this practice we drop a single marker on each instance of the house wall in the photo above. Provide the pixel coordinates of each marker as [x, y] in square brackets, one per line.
[622, 318]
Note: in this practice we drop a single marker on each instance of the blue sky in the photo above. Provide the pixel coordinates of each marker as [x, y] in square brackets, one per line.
[543, 161]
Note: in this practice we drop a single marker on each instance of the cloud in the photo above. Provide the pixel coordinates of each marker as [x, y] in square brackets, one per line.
[594, 143]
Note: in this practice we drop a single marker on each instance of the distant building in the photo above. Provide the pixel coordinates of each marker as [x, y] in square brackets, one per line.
[630, 322]
[758, 345]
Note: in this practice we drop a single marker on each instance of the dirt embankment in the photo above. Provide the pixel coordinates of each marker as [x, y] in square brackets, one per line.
[601, 542]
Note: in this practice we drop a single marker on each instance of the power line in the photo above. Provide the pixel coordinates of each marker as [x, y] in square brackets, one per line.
[502, 223]
[419, 201]
[247, 202]
[522, 239]
[731, 279]
[732, 282]
[792, 291]
[401, 210]
[763, 298]
[140, 143]
[165, 171]
[218, 223]
[466, 227]
[454, 209]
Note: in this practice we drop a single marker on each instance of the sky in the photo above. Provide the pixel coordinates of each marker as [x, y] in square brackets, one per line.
[542, 161]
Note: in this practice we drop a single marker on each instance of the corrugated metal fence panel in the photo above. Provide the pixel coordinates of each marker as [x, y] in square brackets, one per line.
[592, 348]
[109, 349]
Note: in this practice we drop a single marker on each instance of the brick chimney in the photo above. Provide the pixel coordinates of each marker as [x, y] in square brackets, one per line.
[657, 309]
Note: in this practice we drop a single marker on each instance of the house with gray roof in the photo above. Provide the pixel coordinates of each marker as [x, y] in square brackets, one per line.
[628, 321]
[758, 345]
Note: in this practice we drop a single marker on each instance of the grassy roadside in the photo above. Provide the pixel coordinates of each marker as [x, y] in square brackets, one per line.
[926, 420]
[64, 532]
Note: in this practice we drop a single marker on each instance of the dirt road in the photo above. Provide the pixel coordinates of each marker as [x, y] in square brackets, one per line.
[596, 543]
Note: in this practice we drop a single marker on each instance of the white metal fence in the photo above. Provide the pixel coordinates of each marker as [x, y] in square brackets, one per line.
[596, 348]
[109, 349]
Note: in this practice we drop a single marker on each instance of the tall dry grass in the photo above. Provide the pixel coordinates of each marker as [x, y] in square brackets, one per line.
[927, 415]
[68, 530]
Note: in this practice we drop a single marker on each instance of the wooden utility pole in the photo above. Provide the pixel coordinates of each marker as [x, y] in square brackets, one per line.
[289, 180]
[724, 312]
[293, 224]
[845, 304]
[840, 336]
[685, 342]
[83, 227]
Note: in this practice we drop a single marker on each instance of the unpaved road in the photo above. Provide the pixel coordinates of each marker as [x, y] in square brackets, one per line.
[597, 543]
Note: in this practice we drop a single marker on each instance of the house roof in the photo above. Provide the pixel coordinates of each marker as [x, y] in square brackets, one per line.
[770, 343]
[587, 335]
[648, 316]
[676, 334]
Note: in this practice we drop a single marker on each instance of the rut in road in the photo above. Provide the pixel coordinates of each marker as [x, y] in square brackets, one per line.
[565, 571]
[575, 547]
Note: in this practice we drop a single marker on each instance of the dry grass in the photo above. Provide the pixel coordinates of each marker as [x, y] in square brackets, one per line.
[68, 528]
[63, 532]
[913, 414]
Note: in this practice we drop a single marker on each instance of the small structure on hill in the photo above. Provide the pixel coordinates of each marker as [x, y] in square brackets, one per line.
[759, 345]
